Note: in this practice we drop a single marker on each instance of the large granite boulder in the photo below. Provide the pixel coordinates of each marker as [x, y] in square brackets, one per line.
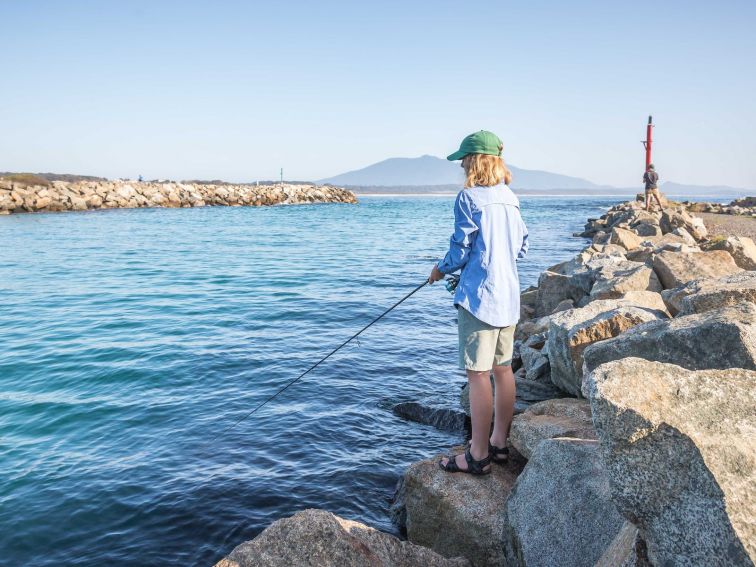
[720, 338]
[458, 514]
[625, 238]
[646, 299]
[565, 417]
[645, 228]
[670, 220]
[741, 248]
[319, 538]
[698, 296]
[677, 268]
[572, 331]
[631, 276]
[554, 287]
[680, 448]
[559, 511]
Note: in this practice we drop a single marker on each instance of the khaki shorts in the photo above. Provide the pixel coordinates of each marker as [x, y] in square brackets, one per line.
[654, 192]
[481, 346]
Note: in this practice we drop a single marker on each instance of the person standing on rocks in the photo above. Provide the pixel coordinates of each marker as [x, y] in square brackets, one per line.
[489, 237]
[651, 179]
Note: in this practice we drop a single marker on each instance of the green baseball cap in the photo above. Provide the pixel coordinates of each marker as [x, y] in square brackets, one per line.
[482, 142]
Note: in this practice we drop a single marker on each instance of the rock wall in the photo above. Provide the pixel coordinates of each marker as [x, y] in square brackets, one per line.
[658, 465]
[745, 206]
[635, 439]
[86, 195]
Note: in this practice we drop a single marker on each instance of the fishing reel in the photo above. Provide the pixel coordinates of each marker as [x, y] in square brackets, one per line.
[452, 281]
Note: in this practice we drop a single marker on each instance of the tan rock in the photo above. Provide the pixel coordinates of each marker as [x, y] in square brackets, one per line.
[563, 417]
[94, 201]
[42, 202]
[319, 538]
[625, 238]
[677, 268]
[78, 204]
[716, 339]
[646, 299]
[458, 514]
[741, 248]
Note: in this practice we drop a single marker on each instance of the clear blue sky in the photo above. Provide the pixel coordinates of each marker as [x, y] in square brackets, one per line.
[235, 90]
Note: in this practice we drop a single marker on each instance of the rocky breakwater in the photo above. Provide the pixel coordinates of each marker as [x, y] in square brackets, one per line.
[18, 197]
[745, 206]
[635, 441]
[640, 448]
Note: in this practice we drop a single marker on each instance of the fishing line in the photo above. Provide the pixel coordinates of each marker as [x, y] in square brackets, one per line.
[319, 362]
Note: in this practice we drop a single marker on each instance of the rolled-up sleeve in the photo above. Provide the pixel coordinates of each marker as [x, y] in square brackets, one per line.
[462, 239]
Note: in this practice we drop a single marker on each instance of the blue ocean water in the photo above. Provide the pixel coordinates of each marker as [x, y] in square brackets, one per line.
[130, 340]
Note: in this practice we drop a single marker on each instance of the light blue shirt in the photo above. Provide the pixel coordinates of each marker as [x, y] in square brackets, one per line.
[489, 237]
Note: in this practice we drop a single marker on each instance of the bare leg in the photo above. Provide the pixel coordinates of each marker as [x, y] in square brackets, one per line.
[481, 409]
[504, 404]
[658, 200]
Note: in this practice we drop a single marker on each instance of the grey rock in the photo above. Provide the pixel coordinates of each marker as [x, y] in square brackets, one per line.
[685, 235]
[647, 229]
[566, 417]
[559, 511]
[531, 327]
[717, 339]
[554, 288]
[680, 448]
[459, 514]
[638, 277]
[534, 360]
[572, 331]
[564, 305]
[698, 296]
[319, 538]
[443, 418]
[530, 392]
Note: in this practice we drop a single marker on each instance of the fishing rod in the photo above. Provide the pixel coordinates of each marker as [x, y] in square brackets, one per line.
[319, 362]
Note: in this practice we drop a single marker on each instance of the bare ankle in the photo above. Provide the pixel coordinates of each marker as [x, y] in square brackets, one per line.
[498, 441]
[478, 453]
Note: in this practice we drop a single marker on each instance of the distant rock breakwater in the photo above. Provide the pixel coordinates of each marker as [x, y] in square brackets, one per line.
[88, 195]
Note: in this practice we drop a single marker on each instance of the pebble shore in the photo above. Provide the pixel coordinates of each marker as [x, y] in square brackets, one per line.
[88, 195]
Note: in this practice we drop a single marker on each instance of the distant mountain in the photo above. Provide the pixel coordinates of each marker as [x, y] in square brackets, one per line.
[430, 170]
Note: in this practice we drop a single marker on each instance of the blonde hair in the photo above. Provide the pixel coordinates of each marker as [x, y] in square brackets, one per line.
[485, 170]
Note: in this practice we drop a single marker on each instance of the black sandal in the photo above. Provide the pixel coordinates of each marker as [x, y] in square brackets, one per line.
[496, 453]
[473, 466]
